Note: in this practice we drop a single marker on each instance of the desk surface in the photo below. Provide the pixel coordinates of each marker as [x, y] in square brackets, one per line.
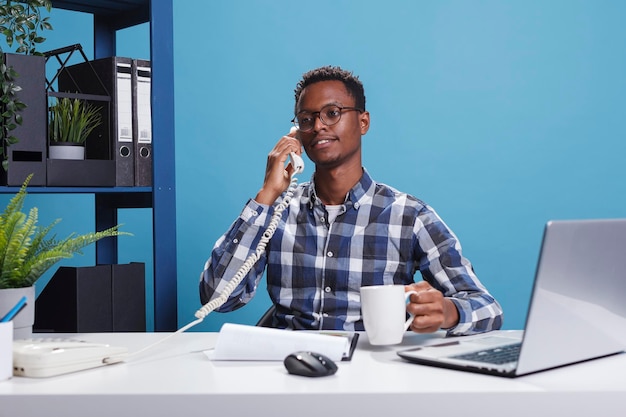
[175, 378]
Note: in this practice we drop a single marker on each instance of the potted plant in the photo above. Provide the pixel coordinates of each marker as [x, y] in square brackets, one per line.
[70, 122]
[22, 78]
[27, 252]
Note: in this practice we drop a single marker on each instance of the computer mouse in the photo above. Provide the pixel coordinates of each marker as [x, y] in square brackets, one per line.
[309, 364]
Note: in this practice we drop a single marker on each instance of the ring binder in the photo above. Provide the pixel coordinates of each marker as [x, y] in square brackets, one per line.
[142, 115]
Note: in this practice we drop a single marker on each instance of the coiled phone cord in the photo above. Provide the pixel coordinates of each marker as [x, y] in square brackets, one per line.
[254, 257]
[298, 166]
[241, 273]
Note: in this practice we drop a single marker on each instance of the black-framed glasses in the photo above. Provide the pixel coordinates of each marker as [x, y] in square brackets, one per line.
[330, 115]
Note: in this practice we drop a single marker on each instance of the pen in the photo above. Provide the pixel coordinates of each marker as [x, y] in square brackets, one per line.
[14, 311]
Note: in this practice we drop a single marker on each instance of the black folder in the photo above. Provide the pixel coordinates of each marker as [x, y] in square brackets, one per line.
[142, 122]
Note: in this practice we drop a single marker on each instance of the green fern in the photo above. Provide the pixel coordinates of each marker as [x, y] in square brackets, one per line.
[26, 250]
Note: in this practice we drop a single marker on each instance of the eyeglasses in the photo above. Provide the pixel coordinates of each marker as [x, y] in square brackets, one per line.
[329, 115]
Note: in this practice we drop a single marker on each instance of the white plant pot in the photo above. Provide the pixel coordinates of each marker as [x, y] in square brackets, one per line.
[23, 322]
[66, 151]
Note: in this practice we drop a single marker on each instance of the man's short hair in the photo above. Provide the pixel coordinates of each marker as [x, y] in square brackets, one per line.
[330, 73]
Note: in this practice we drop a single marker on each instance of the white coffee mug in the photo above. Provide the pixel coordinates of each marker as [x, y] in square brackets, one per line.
[384, 313]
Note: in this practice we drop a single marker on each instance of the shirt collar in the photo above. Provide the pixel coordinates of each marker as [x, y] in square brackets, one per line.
[362, 190]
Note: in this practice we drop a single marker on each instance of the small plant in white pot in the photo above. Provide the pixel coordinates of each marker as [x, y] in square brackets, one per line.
[70, 122]
[27, 252]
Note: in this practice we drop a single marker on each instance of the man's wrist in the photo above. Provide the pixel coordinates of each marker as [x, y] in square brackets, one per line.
[450, 314]
[265, 197]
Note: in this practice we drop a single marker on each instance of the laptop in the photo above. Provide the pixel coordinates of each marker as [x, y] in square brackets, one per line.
[576, 312]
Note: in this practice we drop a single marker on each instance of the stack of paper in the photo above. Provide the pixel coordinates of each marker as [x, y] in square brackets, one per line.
[241, 342]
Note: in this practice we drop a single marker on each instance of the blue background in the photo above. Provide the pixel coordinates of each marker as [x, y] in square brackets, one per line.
[501, 115]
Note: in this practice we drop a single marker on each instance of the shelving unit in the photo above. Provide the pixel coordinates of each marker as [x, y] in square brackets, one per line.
[109, 17]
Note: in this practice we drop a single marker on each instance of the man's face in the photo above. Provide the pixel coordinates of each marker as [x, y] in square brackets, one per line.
[332, 146]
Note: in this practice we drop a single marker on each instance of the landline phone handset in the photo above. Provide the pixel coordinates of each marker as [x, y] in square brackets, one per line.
[298, 165]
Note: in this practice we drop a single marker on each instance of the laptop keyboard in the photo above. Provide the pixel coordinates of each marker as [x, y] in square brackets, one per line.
[498, 356]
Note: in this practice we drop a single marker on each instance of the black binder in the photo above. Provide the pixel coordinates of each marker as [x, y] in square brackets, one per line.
[115, 75]
[142, 122]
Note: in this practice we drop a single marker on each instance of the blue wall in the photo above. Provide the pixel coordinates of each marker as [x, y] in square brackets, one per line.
[501, 115]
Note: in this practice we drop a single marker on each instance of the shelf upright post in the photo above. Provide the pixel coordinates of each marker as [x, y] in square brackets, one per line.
[164, 176]
[104, 37]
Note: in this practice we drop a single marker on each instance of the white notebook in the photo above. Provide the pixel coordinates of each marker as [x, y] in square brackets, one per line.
[238, 342]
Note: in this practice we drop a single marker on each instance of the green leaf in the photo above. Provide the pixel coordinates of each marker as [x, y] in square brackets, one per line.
[27, 251]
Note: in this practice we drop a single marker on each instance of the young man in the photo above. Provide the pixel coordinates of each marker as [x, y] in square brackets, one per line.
[343, 230]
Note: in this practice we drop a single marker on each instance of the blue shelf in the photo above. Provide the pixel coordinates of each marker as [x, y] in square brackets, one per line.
[109, 17]
[76, 190]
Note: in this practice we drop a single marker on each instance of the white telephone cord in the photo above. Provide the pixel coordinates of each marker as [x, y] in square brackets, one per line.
[241, 273]
[254, 257]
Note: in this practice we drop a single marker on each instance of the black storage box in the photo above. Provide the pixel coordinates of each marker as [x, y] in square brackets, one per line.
[28, 156]
[101, 298]
[81, 173]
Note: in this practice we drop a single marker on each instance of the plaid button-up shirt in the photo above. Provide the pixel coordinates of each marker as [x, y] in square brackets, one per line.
[315, 268]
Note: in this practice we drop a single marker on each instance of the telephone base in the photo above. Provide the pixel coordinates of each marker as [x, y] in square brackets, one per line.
[47, 357]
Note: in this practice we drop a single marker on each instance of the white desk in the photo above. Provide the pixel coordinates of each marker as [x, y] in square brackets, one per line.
[176, 379]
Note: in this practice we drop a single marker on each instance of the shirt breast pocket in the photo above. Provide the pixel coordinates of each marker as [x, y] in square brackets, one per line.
[384, 260]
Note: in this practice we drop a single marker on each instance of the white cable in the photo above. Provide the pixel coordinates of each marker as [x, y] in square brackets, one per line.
[117, 358]
[253, 258]
[241, 273]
